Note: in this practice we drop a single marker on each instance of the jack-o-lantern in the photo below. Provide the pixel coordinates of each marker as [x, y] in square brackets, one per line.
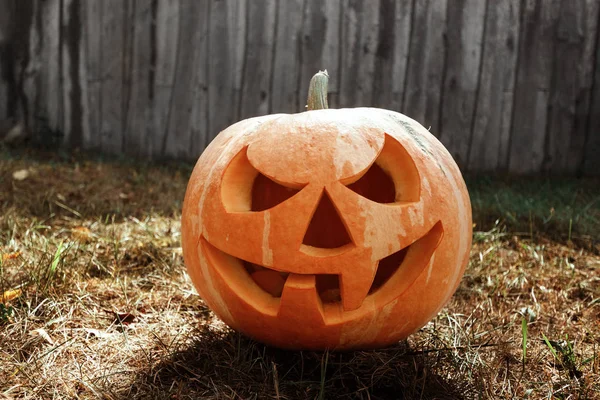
[337, 229]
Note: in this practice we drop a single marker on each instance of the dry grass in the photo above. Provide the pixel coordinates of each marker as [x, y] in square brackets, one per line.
[107, 311]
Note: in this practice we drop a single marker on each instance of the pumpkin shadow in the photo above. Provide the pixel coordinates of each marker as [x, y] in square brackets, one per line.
[225, 364]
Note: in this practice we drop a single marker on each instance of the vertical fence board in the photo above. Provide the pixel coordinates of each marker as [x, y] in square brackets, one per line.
[128, 35]
[164, 43]
[366, 55]
[426, 63]
[28, 70]
[226, 52]
[330, 57]
[569, 46]
[6, 13]
[360, 32]
[285, 95]
[402, 33]
[465, 21]
[349, 33]
[384, 55]
[591, 161]
[93, 43]
[491, 129]
[112, 53]
[16, 52]
[49, 106]
[259, 58]
[141, 97]
[7, 80]
[320, 38]
[68, 78]
[536, 51]
[191, 52]
[5, 20]
[585, 75]
[76, 119]
[312, 41]
[200, 105]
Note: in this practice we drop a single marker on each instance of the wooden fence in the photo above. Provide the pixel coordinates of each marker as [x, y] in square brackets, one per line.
[507, 85]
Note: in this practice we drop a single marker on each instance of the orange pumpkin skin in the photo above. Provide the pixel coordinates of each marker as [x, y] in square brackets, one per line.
[264, 251]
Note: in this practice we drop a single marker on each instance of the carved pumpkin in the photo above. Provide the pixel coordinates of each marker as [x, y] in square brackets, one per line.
[337, 229]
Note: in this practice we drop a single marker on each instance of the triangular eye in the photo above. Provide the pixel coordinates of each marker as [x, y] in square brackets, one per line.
[245, 189]
[392, 178]
[267, 193]
[375, 185]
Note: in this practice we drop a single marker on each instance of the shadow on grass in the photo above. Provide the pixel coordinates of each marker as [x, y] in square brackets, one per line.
[228, 365]
[85, 186]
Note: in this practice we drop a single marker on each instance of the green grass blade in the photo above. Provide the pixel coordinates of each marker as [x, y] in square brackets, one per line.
[323, 374]
[56, 259]
[550, 346]
[524, 332]
[58, 256]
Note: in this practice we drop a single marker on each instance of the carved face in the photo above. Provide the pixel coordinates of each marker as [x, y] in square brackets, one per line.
[326, 229]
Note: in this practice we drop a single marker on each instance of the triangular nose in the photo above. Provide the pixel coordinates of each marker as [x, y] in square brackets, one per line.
[326, 228]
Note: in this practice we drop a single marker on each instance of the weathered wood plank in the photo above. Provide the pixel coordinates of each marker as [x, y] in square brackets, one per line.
[259, 59]
[585, 75]
[200, 134]
[330, 58]
[188, 120]
[5, 21]
[6, 12]
[16, 69]
[93, 42]
[360, 34]
[465, 27]
[285, 80]
[3, 107]
[384, 55]
[564, 91]
[49, 104]
[312, 43]
[164, 47]
[139, 119]
[320, 46]
[128, 34]
[491, 129]
[27, 61]
[167, 38]
[534, 75]
[6, 59]
[112, 52]
[401, 33]
[76, 119]
[426, 63]
[226, 51]
[591, 163]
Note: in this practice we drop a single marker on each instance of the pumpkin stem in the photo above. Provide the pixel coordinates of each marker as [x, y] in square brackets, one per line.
[317, 91]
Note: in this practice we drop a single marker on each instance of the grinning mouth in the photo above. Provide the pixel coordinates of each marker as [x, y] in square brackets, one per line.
[327, 285]
[395, 273]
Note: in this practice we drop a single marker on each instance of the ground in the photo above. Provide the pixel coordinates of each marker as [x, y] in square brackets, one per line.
[95, 301]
